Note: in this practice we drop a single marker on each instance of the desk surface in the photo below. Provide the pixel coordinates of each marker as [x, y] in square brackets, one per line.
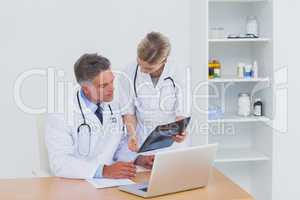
[220, 187]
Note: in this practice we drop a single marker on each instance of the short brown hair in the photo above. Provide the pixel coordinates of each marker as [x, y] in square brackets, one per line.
[88, 66]
[154, 47]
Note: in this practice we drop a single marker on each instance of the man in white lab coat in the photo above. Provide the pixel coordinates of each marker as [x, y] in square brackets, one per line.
[84, 142]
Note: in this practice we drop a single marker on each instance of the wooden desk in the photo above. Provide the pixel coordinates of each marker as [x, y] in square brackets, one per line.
[219, 188]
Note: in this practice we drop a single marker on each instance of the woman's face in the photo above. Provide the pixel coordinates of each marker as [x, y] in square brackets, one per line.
[150, 68]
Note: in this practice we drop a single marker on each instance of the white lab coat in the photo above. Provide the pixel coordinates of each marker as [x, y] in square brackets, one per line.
[62, 140]
[154, 105]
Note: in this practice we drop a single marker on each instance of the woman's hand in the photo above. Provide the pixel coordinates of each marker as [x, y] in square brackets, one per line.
[180, 137]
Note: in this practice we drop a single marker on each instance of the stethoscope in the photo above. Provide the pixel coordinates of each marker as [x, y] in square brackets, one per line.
[135, 77]
[86, 125]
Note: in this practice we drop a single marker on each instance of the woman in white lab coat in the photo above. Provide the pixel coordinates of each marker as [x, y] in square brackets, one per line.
[83, 142]
[154, 91]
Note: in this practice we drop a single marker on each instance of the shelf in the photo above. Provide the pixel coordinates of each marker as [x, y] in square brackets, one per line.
[236, 80]
[239, 155]
[235, 118]
[238, 1]
[246, 40]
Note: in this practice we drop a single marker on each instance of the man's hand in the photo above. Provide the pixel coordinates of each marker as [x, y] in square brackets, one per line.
[145, 161]
[119, 170]
[179, 137]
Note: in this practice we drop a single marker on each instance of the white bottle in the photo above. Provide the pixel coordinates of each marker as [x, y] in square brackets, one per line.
[252, 25]
[255, 69]
[244, 107]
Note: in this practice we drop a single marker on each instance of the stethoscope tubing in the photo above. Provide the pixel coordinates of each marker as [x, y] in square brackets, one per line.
[135, 77]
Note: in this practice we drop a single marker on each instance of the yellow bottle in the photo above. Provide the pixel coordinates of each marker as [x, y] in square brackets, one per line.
[214, 69]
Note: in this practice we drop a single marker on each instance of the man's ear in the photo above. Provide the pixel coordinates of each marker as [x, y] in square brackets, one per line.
[85, 89]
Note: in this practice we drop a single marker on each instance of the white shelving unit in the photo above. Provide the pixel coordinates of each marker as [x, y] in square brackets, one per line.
[235, 1]
[245, 143]
[226, 40]
[234, 118]
[236, 80]
[227, 155]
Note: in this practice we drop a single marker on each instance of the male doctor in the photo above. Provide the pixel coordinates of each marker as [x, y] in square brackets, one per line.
[86, 144]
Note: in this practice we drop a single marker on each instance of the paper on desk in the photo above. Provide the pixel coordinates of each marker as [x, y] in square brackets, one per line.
[106, 182]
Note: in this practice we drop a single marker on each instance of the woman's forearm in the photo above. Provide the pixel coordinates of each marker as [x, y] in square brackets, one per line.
[130, 122]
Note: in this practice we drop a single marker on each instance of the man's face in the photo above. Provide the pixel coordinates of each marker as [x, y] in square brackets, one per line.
[150, 68]
[102, 87]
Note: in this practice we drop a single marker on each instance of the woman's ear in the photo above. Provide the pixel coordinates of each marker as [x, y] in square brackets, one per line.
[165, 60]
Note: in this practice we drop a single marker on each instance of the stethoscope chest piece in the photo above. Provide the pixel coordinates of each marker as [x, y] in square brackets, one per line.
[84, 132]
[113, 120]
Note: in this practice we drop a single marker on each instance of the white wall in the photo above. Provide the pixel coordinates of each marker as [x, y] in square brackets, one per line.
[54, 33]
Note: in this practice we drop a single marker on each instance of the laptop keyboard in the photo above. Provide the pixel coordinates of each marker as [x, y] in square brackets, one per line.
[144, 189]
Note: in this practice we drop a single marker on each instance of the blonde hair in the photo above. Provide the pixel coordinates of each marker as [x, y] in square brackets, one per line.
[153, 48]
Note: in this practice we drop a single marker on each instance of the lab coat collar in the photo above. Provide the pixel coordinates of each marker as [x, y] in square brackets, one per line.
[164, 74]
[147, 77]
[90, 116]
[89, 106]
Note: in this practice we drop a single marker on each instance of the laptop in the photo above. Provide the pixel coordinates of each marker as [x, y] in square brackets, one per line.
[177, 170]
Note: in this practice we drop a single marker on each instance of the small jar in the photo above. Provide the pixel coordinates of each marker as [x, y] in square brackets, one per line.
[240, 70]
[214, 69]
[217, 33]
[210, 70]
[213, 33]
[257, 107]
[220, 32]
[248, 71]
[217, 68]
